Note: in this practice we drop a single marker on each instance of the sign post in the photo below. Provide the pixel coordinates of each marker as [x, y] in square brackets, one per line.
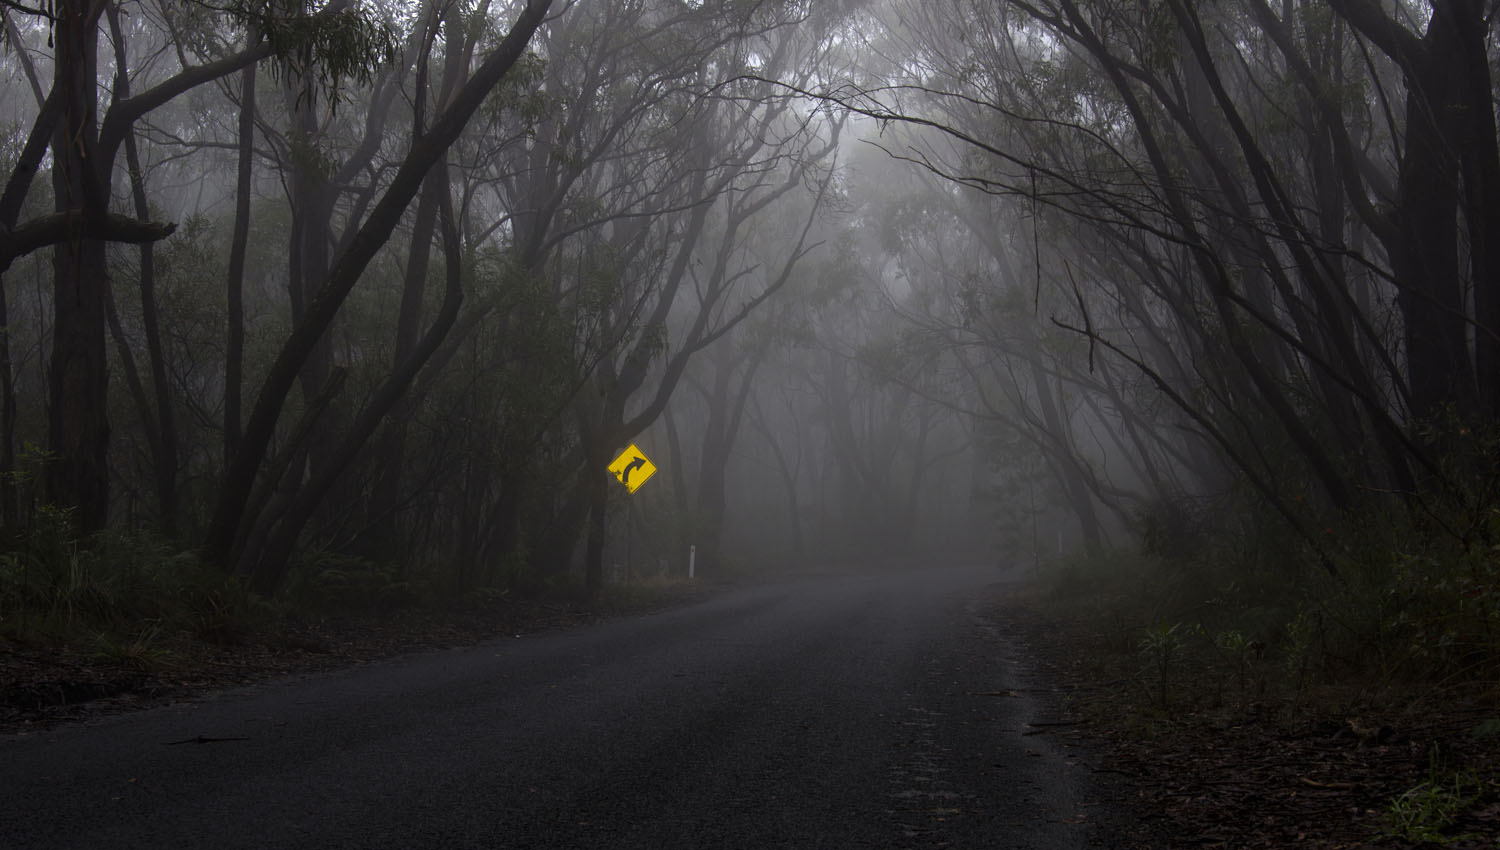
[632, 468]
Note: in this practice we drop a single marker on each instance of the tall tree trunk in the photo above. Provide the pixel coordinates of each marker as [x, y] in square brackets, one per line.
[1478, 145]
[559, 540]
[346, 272]
[726, 412]
[78, 383]
[504, 531]
[1215, 272]
[789, 472]
[1450, 163]
[164, 460]
[164, 445]
[270, 565]
[234, 344]
[1068, 465]
[10, 513]
[1424, 261]
[390, 451]
[311, 235]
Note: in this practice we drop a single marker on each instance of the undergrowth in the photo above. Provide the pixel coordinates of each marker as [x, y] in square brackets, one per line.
[1395, 620]
[138, 602]
[1231, 622]
[1427, 812]
[127, 596]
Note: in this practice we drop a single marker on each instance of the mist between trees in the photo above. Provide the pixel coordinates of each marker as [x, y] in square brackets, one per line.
[390, 284]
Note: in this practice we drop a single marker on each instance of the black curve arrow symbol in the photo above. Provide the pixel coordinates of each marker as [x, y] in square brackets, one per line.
[630, 467]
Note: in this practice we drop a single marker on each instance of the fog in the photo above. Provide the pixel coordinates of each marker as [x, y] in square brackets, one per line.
[387, 286]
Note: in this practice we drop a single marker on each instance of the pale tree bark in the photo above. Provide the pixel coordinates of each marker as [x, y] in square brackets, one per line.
[239, 242]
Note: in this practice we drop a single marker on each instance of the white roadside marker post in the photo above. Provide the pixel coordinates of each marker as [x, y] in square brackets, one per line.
[692, 558]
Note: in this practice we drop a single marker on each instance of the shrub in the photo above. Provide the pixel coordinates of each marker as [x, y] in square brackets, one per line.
[122, 592]
[348, 584]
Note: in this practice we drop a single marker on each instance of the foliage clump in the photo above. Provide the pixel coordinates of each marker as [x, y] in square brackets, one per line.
[1227, 623]
[127, 595]
[340, 583]
[1426, 812]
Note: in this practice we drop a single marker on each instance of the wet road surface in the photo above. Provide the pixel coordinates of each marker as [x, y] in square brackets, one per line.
[841, 712]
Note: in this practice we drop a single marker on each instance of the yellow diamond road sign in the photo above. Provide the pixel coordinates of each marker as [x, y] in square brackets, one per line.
[632, 468]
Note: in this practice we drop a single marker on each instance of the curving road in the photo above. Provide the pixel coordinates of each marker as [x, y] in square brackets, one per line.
[850, 712]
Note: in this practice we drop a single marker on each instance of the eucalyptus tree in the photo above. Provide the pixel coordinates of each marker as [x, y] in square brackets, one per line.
[330, 154]
[1011, 373]
[778, 414]
[726, 382]
[156, 413]
[733, 282]
[231, 522]
[1262, 220]
[1224, 236]
[978, 286]
[878, 435]
[767, 375]
[83, 149]
[1439, 220]
[88, 120]
[632, 197]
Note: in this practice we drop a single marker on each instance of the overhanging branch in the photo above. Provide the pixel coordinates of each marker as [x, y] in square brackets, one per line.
[73, 224]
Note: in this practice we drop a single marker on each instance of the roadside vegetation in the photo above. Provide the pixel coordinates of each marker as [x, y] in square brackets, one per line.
[129, 594]
[1350, 693]
[341, 310]
[109, 621]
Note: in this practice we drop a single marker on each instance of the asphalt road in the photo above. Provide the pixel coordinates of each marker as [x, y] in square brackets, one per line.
[842, 712]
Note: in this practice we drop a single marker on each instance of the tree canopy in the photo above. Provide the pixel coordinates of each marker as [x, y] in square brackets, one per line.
[391, 284]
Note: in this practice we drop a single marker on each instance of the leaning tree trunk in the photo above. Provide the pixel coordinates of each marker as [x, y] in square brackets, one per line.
[269, 566]
[390, 449]
[346, 272]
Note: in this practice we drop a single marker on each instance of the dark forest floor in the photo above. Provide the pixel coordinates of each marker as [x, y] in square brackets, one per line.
[1319, 772]
[1264, 774]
